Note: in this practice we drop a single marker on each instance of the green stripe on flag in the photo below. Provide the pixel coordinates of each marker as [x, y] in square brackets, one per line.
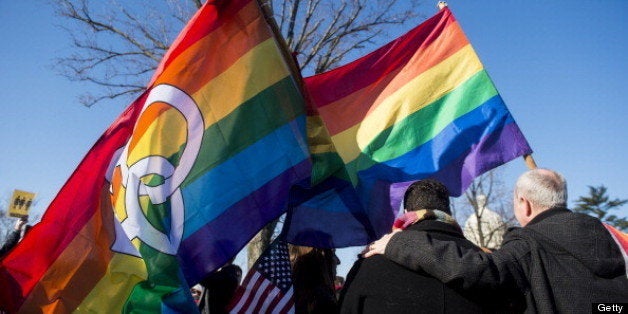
[421, 126]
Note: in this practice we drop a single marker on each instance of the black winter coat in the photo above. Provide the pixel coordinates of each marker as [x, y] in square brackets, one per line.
[12, 239]
[220, 286]
[563, 262]
[378, 285]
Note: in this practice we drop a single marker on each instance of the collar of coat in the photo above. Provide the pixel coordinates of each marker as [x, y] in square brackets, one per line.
[548, 213]
[436, 226]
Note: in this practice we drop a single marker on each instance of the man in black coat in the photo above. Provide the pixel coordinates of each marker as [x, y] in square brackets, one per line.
[563, 262]
[378, 285]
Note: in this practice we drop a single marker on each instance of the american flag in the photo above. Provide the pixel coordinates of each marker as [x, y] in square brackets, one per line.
[267, 288]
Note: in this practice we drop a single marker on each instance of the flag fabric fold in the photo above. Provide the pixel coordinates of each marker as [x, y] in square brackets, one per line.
[65, 261]
[421, 106]
[190, 172]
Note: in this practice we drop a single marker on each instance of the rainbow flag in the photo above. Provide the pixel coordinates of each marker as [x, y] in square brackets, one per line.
[622, 242]
[189, 172]
[421, 106]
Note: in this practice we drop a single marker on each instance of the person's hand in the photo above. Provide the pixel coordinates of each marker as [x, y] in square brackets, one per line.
[379, 246]
[19, 224]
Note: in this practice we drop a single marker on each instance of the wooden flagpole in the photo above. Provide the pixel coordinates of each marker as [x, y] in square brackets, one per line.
[285, 50]
[529, 161]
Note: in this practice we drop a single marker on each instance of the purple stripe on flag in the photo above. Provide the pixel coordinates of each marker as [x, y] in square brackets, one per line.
[493, 150]
[324, 217]
[220, 240]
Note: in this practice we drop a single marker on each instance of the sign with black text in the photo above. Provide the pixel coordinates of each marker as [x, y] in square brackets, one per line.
[20, 203]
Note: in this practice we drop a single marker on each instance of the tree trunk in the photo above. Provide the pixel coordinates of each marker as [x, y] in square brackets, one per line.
[259, 243]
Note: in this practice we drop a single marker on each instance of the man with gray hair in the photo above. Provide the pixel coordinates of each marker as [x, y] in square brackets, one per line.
[562, 262]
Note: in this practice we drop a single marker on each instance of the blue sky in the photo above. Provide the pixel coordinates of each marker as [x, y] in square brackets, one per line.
[561, 67]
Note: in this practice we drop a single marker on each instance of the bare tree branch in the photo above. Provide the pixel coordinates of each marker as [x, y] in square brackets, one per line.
[118, 45]
[488, 219]
[292, 18]
[324, 33]
[305, 31]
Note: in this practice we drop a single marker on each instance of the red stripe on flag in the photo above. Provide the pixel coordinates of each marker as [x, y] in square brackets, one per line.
[250, 289]
[263, 296]
[67, 215]
[378, 64]
[267, 287]
[289, 305]
[213, 14]
[271, 301]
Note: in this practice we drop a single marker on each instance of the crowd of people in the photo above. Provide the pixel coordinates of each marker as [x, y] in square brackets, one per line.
[314, 280]
[558, 261]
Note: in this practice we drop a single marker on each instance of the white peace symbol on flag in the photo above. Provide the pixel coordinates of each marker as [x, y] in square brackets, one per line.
[136, 225]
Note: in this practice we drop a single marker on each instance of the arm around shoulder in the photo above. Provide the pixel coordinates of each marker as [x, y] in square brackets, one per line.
[453, 264]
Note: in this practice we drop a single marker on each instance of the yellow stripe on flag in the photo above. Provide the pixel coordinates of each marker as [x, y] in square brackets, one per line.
[110, 293]
[223, 95]
[257, 70]
[155, 142]
[415, 95]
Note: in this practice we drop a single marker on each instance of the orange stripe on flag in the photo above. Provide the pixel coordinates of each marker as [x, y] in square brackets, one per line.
[211, 17]
[145, 120]
[77, 270]
[71, 210]
[352, 109]
[622, 241]
[226, 44]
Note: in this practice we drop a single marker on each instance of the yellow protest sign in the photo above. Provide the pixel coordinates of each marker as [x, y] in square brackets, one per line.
[20, 203]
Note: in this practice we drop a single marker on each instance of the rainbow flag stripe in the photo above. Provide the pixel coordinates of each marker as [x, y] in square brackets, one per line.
[189, 172]
[65, 262]
[622, 242]
[421, 106]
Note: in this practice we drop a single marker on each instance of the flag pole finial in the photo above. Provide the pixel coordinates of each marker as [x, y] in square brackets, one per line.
[441, 5]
